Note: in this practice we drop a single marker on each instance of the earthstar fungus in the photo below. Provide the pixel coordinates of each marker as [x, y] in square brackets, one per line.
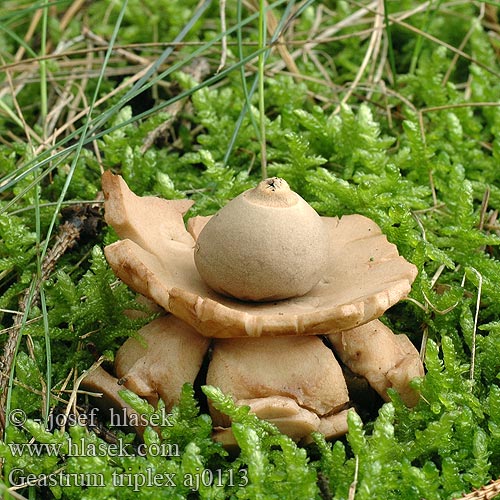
[364, 275]
[265, 277]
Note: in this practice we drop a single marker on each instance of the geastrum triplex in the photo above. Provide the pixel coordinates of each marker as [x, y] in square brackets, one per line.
[272, 292]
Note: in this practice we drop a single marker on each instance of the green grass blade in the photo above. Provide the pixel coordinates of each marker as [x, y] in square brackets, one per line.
[390, 47]
[249, 94]
[262, 107]
[429, 15]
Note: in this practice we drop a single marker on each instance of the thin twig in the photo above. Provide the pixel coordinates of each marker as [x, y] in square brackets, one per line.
[30, 133]
[484, 207]
[29, 34]
[474, 330]
[484, 104]
[463, 44]
[129, 56]
[487, 492]
[352, 487]
[438, 41]
[11, 492]
[76, 387]
[393, 18]
[199, 69]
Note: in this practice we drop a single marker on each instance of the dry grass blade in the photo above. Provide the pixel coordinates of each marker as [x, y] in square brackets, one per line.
[462, 45]
[458, 105]
[349, 21]
[198, 70]
[442, 43]
[223, 57]
[354, 484]
[127, 54]
[373, 49]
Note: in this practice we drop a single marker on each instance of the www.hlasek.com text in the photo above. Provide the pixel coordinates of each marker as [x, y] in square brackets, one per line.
[84, 448]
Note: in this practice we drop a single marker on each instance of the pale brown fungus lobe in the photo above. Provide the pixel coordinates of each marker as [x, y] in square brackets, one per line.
[167, 354]
[106, 396]
[293, 382]
[386, 360]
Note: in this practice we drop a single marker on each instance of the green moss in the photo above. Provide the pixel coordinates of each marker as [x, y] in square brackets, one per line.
[420, 157]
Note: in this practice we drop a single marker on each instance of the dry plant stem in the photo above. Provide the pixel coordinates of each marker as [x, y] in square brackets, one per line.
[352, 488]
[377, 72]
[373, 48]
[80, 95]
[462, 45]
[9, 354]
[330, 31]
[377, 65]
[474, 329]
[27, 484]
[17, 313]
[436, 40]
[354, 19]
[29, 34]
[399, 20]
[75, 68]
[357, 18]
[198, 70]
[65, 99]
[129, 56]
[30, 133]
[422, 111]
[324, 73]
[484, 207]
[65, 383]
[62, 51]
[12, 493]
[76, 387]
[85, 111]
[487, 492]
[29, 74]
[223, 56]
[71, 13]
